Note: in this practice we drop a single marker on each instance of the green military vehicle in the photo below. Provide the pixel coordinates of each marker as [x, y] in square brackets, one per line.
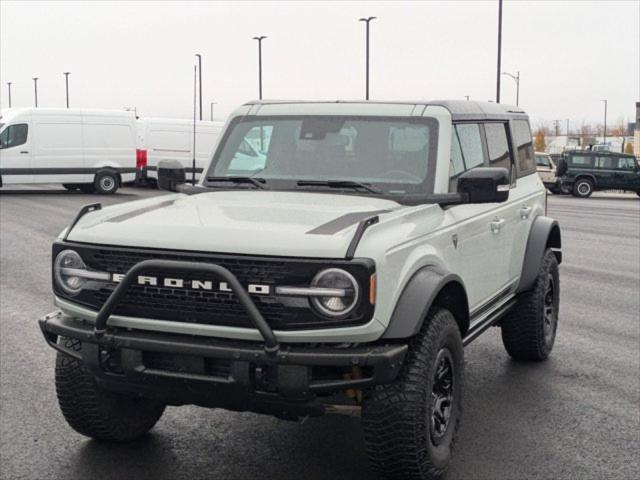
[583, 172]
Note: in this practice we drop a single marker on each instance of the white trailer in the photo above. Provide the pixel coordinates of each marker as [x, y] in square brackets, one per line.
[90, 150]
[172, 139]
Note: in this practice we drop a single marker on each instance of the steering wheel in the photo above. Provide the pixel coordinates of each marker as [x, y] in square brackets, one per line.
[401, 175]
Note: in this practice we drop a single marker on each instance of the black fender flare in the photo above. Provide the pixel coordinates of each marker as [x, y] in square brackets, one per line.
[416, 299]
[544, 233]
[588, 176]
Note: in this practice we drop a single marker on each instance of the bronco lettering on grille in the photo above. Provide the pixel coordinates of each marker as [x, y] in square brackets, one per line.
[172, 282]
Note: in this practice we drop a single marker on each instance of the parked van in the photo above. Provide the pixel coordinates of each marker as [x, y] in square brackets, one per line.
[172, 139]
[90, 150]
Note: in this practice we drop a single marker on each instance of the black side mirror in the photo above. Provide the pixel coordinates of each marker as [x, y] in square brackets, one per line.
[171, 173]
[485, 185]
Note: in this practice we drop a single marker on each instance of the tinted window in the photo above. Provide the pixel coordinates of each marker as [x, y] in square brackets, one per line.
[498, 145]
[14, 135]
[471, 144]
[581, 161]
[524, 146]
[626, 163]
[604, 162]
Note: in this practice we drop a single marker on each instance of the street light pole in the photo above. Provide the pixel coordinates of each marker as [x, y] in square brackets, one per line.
[200, 80]
[9, 85]
[367, 20]
[604, 140]
[499, 50]
[66, 81]
[35, 88]
[259, 39]
[193, 160]
[516, 78]
[567, 128]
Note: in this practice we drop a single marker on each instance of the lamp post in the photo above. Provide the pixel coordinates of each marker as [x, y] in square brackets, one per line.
[367, 20]
[212, 104]
[260, 39]
[35, 88]
[66, 81]
[499, 50]
[604, 134]
[467, 97]
[516, 79]
[9, 86]
[200, 80]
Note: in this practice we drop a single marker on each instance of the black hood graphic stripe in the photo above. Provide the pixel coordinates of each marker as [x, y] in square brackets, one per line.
[343, 222]
[140, 211]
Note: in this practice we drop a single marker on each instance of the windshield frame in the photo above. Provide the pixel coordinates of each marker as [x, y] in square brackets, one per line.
[424, 188]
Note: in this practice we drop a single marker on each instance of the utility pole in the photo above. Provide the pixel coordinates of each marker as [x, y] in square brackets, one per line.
[604, 135]
[193, 162]
[66, 81]
[200, 80]
[35, 88]
[499, 50]
[9, 85]
[567, 128]
[259, 39]
[367, 20]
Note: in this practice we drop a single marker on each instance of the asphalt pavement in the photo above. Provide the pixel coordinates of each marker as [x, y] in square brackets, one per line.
[576, 415]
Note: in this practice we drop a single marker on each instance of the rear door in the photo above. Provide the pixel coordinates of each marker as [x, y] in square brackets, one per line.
[15, 153]
[627, 173]
[605, 172]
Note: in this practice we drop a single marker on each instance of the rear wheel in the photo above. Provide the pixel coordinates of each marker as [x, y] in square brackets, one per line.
[410, 425]
[529, 330]
[98, 413]
[106, 183]
[583, 188]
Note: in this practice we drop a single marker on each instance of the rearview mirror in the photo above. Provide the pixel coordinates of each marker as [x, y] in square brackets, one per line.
[485, 185]
[171, 173]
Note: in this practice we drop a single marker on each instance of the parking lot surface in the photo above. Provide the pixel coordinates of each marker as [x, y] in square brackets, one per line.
[574, 416]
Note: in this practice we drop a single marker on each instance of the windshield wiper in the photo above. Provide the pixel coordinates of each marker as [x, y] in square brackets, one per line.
[257, 182]
[339, 184]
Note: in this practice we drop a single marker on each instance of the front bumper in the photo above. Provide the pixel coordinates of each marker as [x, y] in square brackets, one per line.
[183, 369]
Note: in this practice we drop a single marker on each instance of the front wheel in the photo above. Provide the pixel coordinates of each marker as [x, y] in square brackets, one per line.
[98, 413]
[106, 183]
[410, 425]
[529, 330]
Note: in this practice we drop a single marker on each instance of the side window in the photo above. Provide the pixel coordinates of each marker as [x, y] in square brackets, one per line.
[524, 147]
[470, 144]
[604, 162]
[626, 163]
[542, 161]
[584, 161]
[498, 145]
[14, 135]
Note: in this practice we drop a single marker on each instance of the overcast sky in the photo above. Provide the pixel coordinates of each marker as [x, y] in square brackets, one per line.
[570, 54]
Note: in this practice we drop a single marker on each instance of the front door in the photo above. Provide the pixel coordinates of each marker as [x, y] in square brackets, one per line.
[15, 154]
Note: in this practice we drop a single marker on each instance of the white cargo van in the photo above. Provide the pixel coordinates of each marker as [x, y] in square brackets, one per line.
[172, 139]
[90, 150]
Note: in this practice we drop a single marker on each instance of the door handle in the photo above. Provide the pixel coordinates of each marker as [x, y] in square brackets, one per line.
[24, 151]
[496, 225]
[525, 212]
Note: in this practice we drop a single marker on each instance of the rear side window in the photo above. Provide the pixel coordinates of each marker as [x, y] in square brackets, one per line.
[498, 145]
[14, 135]
[542, 161]
[626, 163]
[604, 162]
[524, 147]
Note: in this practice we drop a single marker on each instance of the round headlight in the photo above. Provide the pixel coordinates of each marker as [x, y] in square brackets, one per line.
[339, 305]
[67, 270]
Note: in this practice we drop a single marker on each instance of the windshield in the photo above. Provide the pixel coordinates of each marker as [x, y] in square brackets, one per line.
[396, 155]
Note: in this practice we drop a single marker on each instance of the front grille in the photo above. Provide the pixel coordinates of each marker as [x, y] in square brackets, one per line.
[211, 307]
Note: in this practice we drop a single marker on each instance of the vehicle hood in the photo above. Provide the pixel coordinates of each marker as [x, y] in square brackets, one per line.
[299, 224]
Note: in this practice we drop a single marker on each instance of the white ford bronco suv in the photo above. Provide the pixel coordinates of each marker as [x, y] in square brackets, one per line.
[341, 272]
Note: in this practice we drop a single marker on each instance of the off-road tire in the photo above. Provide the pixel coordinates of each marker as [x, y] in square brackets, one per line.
[583, 188]
[71, 186]
[98, 413]
[87, 188]
[397, 418]
[106, 183]
[523, 329]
